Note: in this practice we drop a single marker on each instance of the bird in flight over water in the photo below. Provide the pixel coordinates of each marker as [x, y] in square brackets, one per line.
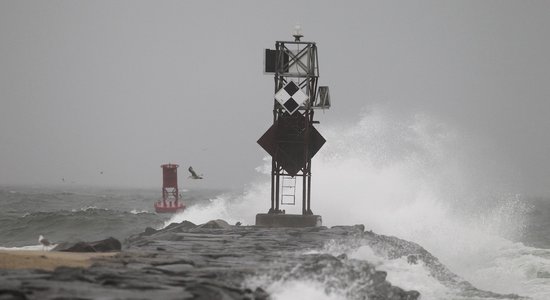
[194, 174]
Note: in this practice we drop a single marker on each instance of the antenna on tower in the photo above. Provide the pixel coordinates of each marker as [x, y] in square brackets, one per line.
[297, 33]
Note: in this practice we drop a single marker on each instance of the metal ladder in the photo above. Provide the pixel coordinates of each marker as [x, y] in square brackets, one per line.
[288, 190]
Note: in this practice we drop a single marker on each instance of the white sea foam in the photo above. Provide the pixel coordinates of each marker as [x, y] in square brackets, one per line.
[512, 268]
[416, 179]
[405, 275]
[306, 289]
[29, 248]
[86, 208]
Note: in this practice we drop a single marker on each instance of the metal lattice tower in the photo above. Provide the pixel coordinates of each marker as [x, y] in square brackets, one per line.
[292, 140]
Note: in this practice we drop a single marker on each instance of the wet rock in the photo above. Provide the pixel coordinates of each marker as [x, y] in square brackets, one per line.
[215, 224]
[260, 294]
[149, 231]
[6, 294]
[342, 256]
[180, 227]
[175, 268]
[70, 274]
[171, 226]
[74, 247]
[107, 245]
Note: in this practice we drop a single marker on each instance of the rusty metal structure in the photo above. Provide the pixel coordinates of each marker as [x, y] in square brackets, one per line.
[170, 182]
[292, 140]
[170, 201]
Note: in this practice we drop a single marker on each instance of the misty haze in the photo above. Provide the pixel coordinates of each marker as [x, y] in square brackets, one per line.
[437, 135]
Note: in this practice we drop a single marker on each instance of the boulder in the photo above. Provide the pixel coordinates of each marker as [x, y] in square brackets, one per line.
[179, 227]
[107, 245]
[215, 224]
[75, 247]
[149, 231]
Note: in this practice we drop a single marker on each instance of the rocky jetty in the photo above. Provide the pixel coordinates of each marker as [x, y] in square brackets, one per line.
[219, 261]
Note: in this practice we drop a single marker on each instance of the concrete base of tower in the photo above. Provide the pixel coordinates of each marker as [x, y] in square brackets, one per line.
[284, 220]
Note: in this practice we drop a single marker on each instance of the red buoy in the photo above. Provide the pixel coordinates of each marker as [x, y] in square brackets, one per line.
[170, 202]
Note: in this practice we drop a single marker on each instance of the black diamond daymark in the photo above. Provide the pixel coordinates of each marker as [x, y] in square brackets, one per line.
[284, 141]
[291, 97]
[291, 88]
[291, 105]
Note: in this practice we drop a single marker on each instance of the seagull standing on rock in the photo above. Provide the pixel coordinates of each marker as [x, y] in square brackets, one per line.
[45, 242]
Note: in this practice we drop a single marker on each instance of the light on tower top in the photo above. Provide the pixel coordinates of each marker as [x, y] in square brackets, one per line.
[297, 33]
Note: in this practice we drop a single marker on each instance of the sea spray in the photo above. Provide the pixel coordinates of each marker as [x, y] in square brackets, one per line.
[401, 272]
[398, 178]
[414, 178]
[229, 207]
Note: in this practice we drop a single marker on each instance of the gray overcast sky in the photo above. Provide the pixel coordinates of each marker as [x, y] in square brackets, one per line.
[123, 86]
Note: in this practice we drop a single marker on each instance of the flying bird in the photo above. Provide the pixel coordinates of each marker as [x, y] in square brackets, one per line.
[43, 241]
[193, 174]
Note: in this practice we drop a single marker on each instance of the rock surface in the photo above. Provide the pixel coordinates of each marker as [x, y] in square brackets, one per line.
[219, 261]
[107, 245]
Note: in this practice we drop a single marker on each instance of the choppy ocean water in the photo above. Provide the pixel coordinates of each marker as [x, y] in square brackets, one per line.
[403, 179]
[68, 213]
[490, 262]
